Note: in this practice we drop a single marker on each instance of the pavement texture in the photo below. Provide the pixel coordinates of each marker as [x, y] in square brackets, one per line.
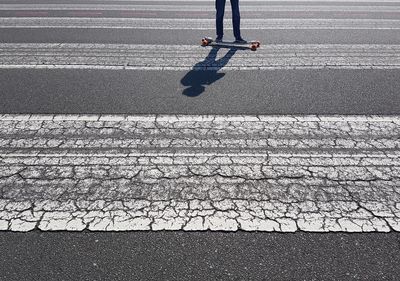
[199, 256]
[328, 173]
[283, 92]
[185, 57]
[317, 57]
[198, 24]
[193, 37]
[254, 173]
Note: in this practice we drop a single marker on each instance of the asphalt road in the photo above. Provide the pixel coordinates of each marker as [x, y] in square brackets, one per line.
[262, 92]
[198, 256]
[192, 37]
[244, 92]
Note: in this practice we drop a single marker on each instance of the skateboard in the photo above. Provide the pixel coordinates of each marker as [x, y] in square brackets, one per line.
[252, 45]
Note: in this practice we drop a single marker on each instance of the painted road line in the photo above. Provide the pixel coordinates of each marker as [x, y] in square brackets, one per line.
[203, 8]
[164, 172]
[195, 24]
[264, 1]
[188, 57]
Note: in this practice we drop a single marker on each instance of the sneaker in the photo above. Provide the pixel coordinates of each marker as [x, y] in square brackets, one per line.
[240, 41]
[218, 39]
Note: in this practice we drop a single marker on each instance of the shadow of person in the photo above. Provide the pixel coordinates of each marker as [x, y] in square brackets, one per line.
[205, 72]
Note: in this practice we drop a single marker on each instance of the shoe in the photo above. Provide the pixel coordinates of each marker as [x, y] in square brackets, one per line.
[218, 39]
[240, 41]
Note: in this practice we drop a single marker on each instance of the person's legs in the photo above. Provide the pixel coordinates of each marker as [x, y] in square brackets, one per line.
[236, 19]
[220, 7]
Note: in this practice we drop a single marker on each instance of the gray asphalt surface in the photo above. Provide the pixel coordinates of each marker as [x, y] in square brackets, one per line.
[244, 92]
[263, 92]
[193, 37]
[199, 256]
[204, 255]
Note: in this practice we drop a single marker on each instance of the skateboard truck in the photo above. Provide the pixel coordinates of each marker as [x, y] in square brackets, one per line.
[206, 41]
[254, 45]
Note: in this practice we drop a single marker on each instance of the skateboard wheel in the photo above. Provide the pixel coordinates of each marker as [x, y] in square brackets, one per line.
[253, 47]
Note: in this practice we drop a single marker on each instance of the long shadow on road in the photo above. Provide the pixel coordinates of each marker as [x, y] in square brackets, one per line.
[199, 77]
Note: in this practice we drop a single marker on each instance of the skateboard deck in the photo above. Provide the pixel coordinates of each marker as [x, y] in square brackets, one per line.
[252, 45]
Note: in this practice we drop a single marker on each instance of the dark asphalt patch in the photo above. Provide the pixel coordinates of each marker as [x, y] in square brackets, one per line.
[283, 92]
[198, 256]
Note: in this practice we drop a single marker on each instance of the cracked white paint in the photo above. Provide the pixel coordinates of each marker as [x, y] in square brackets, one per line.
[196, 173]
[204, 8]
[190, 57]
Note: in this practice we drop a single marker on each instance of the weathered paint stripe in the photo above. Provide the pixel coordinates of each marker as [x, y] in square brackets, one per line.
[189, 57]
[354, 186]
[201, 8]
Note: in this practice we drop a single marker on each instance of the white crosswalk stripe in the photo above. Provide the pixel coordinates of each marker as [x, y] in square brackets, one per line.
[246, 1]
[181, 57]
[199, 8]
[264, 173]
[196, 173]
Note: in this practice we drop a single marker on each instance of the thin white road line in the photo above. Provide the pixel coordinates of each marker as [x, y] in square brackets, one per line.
[172, 68]
[200, 118]
[264, 1]
[213, 154]
[203, 8]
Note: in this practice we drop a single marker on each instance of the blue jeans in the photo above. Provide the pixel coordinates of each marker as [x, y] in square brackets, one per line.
[220, 6]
